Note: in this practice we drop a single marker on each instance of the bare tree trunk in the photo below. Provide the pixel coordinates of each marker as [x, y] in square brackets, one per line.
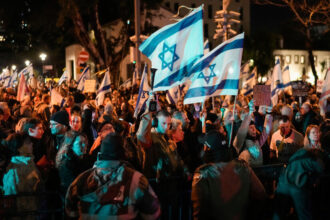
[311, 56]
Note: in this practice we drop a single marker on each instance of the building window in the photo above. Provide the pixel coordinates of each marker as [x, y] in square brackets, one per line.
[302, 59]
[176, 7]
[206, 30]
[296, 59]
[209, 11]
[193, 5]
[168, 5]
[288, 59]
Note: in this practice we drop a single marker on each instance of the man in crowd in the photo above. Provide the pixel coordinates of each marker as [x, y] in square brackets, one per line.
[111, 189]
[285, 141]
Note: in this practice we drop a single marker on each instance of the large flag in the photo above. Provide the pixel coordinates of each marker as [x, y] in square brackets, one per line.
[82, 79]
[103, 89]
[27, 72]
[250, 82]
[276, 85]
[325, 93]
[143, 92]
[65, 77]
[217, 73]
[173, 95]
[287, 80]
[174, 49]
[22, 90]
[56, 98]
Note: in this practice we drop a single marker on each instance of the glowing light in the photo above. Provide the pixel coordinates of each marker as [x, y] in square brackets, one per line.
[13, 67]
[251, 62]
[43, 56]
[27, 62]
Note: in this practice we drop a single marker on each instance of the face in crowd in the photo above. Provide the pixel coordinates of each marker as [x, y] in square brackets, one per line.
[79, 146]
[75, 123]
[56, 128]
[164, 124]
[36, 132]
[284, 127]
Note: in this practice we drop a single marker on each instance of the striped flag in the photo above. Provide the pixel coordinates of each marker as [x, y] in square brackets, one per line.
[65, 77]
[276, 82]
[103, 89]
[250, 82]
[245, 70]
[82, 79]
[27, 72]
[174, 49]
[143, 92]
[325, 93]
[173, 95]
[217, 73]
[22, 88]
[287, 80]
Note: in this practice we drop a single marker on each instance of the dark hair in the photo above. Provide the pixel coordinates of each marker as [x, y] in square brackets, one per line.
[284, 118]
[30, 123]
[163, 113]
[14, 142]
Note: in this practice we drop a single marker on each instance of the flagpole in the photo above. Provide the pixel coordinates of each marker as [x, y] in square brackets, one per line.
[232, 123]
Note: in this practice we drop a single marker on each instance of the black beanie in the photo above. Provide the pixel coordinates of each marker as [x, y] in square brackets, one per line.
[61, 117]
[112, 148]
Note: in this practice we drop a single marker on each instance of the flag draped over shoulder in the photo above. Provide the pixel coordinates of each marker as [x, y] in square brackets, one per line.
[143, 92]
[174, 49]
[276, 85]
[217, 73]
[82, 79]
[22, 88]
[65, 77]
[104, 88]
[250, 82]
[325, 93]
[286, 80]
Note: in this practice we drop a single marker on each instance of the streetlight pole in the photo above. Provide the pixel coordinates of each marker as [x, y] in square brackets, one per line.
[137, 34]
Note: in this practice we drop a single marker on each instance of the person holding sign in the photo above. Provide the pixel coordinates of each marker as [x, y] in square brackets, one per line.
[248, 141]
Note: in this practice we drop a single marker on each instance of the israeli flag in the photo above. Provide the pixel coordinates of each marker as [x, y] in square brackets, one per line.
[217, 73]
[65, 77]
[276, 82]
[6, 77]
[27, 72]
[174, 49]
[287, 80]
[173, 95]
[245, 70]
[250, 82]
[103, 89]
[143, 93]
[82, 79]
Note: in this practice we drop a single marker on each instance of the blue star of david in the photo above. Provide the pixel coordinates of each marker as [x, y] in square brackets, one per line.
[144, 94]
[207, 78]
[168, 60]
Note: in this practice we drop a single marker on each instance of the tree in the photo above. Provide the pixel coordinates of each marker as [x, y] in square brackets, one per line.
[86, 13]
[309, 14]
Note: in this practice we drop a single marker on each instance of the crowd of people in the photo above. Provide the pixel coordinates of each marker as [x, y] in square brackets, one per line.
[104, 163]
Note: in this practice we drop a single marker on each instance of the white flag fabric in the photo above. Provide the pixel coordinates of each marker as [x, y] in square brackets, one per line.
[276, 82]
[325, 93]
[27, 72]
[56, 98]
[173, 95]
[143, 92]
[217, 73]
[287, 80]
[250, 82]
[65, 77]
[104, 88]
[22, 90]
[174, 49]
[5, 75]
[245, 70]
[11, 81]
[82, 79]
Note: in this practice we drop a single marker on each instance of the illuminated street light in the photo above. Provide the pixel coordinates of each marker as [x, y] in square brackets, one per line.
[43, 56]
[27, 62]
[13, 67]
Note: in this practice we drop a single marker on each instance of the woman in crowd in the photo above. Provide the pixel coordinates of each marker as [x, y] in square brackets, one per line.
[312, 137]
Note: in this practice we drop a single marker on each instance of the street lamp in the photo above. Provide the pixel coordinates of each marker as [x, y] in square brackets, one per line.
[43, 56]
[13, 67]
[27, 62]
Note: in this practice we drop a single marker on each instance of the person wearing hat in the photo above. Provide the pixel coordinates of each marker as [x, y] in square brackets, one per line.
[111, 189]
[59, 124]
[222, 187]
